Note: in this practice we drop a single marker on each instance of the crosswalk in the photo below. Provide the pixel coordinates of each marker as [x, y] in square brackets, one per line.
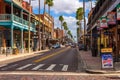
[36, 67]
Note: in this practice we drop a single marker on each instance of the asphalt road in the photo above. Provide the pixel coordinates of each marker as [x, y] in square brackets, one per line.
[56, 60]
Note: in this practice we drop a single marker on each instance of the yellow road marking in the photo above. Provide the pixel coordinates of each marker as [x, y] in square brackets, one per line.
[51, 55]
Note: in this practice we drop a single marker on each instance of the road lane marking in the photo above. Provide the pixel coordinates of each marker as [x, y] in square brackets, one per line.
[37, 67]
[23, 67]
[50, 55]
[8, 67]
[51, 67]
[65, 67]
[3, 65]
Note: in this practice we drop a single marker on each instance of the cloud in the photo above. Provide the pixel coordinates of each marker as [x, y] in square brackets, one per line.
[66, 6]
[71, 22]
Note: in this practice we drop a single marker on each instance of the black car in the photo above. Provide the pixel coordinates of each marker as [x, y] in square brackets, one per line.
[81, 47]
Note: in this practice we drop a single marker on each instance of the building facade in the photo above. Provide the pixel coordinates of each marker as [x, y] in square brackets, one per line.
[103, 26]
[19, 27]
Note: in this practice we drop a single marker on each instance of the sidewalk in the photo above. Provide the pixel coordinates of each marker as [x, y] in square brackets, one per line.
[93, 64]
[3, 57]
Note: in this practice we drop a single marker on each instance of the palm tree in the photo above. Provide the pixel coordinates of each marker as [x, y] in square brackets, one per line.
[79, 17]
[79, 28]
[70, 34]
[61, 19]
[65, 27]
[50, 4]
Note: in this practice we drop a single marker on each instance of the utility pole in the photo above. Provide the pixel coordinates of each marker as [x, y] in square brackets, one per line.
[84, 23]
[39, 34]
[29, 27]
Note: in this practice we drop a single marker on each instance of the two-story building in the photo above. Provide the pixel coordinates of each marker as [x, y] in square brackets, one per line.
[103, 26]
[16, 22]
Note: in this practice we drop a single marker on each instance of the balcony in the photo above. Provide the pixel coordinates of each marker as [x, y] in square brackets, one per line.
[18, 2]
[6, 20]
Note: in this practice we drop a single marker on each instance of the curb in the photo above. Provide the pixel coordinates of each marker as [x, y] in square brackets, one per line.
[21, 56]
[81, 61]
[101, 71]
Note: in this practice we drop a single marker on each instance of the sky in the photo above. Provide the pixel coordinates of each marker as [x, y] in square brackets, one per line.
[67, 8]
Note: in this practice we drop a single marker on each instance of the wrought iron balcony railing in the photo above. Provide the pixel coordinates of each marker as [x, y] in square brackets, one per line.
[16, 19]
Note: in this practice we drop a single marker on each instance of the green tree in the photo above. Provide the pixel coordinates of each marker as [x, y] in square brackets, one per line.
[79, 17]
[61, 19]
[50, 4]
[65, 27]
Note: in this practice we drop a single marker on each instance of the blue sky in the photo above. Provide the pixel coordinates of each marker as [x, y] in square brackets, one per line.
[67, 8]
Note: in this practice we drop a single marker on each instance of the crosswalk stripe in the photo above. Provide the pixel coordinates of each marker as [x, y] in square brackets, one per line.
[51, 67]
[37, 67]
[65, 67]
[23, 67]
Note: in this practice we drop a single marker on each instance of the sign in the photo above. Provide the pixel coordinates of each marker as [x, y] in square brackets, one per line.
[118, 12]
[103, 22]
[111, 18]
[98, 25]
[106, 50]
[107, 60]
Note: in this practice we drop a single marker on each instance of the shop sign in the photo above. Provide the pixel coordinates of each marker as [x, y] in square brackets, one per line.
[107, 58]
[103, 22]
[98, 25]
[111, 18]
[118, 12]
[106, 50]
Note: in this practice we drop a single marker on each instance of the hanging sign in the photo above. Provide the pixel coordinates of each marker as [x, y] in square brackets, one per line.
[98, 25]
[118, 12]
[107, 58]
[103, 22]
[111, 18]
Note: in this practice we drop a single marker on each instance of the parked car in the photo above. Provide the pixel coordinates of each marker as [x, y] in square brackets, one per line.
[81, 47]
[56, 46]
[73, 45]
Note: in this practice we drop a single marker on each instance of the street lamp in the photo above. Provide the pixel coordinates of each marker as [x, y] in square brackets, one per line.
[39, 27]
[84, 24]
[29, 27]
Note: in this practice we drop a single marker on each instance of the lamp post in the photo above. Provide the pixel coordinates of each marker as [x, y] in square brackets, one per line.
[84, 24]
[39, 28]
[29, 28]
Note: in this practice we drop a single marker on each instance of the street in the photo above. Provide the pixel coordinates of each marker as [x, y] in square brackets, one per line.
[55, 60]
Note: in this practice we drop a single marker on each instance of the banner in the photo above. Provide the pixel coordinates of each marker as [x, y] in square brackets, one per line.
[111, 18]
[103, 22]
[118, 12]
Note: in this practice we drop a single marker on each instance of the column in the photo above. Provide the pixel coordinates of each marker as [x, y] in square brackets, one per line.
[12, 11]
[12, 42]
[22, 48]
[22, 44]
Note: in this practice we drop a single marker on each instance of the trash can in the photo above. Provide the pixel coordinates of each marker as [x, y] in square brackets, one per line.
[94, 52]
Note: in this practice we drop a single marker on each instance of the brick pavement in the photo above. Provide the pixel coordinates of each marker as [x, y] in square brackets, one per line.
[93, 64]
